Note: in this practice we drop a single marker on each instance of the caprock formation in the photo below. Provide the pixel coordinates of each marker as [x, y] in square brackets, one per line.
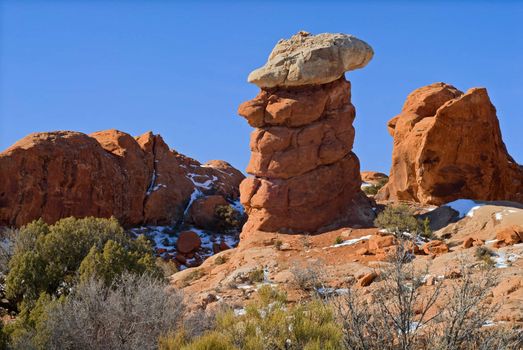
[306, 178]
[447, 146]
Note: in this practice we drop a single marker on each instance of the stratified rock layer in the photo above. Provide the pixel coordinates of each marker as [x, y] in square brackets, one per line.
[109, 173]
[448, 145]
[306, 177]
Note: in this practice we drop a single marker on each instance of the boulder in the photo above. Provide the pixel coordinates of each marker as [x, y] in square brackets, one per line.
[139, 180]
[448, 146]
[307, 59]
[510, 235]
[367, 279]
[188, 242]
[202, 211]
[374, 177]
[378, 242]
[305, 176]
[472, 242]
[435, 247]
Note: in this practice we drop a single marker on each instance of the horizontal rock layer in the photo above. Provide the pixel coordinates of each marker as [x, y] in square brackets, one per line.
[305, 176]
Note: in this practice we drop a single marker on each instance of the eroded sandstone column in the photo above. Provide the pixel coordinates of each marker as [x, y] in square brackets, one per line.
[305, 176]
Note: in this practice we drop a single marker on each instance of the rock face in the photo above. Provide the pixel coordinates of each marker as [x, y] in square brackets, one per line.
[305, 176]
[306, 59]
[109, 173]
[447, 146]
[373, 177]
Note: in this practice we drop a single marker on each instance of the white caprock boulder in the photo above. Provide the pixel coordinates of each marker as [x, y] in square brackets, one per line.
[307, 59]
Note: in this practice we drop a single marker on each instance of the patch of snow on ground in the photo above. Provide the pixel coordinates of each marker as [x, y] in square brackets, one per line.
[504, 260]
[351, 241]
[504, 212]
[238, 206]
[164, 240]
[194, 196]
[207, 184]
[366, 184]
[465, 207]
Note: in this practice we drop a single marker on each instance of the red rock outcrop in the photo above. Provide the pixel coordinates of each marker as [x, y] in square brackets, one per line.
[306, 178]
[108, 173]
[447, 146]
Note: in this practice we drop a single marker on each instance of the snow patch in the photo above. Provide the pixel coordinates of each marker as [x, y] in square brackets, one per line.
[351, 241]
[465, 207]
[504, 260]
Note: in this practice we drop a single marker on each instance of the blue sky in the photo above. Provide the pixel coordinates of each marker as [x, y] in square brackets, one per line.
[180, 68]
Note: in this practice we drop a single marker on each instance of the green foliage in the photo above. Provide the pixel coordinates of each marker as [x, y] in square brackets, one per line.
[256, 275]
[47, 258]
[112, 261]
[397, 219]
[485, 254]
[3, 336]
[270, 324]
[29, 329]
[220, 260]
[425, 229]
[229, 219]
[338, 240]
[374, 189]
[210, 341]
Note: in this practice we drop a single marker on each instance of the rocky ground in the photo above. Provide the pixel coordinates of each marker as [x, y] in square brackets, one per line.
[352, 257]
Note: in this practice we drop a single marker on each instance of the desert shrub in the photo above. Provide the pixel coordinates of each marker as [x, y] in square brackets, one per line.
[168, 267]
[47, 258]
[485, 254]
[132, 313]
[424, 228]
[7, 241]
[192, 276]
[228, 218]
[397, 219]
[338, 240]
[401, 313]
[270, 324]
[220, 260]
[113, 260]
[308, 278]
[278, 243]
[374, 189]
[256, 275]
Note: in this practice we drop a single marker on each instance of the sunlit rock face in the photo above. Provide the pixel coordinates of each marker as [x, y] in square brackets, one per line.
[447, 146]
[305, 176]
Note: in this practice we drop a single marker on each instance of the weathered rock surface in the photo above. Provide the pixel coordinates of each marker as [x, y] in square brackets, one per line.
[307, 59]
[306, 178]
[373, 177]
[448, 145]
[203, 211]
[108, 173]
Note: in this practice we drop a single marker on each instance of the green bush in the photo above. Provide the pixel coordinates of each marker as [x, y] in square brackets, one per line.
[397, 219]
[269, 323]
[374, 189]
[47, 258]
[228, 218]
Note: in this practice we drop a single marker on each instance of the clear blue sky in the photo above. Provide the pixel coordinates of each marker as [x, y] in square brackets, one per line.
[180, 69]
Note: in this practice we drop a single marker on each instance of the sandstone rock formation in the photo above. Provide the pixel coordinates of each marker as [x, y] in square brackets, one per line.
[305, 176]
[447, 146]
[108, 173]
[373, 177]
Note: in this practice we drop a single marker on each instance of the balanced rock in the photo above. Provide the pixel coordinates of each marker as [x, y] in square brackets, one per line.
[109, 173]
[307, 59]
[447, 146]
[306, 178]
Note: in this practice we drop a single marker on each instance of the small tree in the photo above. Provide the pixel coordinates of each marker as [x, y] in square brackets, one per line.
[397, 219]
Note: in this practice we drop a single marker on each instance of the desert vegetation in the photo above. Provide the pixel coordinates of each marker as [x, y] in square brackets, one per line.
[112, 295]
